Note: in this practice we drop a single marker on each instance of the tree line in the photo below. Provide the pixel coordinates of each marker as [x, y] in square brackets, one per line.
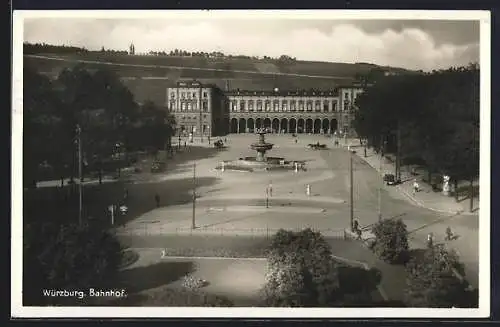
[104, 109]
[429, 119]
[37, 48]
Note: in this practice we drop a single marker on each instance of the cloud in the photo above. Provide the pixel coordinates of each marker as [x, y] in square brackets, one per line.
[411, 48]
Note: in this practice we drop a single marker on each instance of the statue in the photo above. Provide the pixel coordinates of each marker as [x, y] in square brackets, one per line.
[446, 185]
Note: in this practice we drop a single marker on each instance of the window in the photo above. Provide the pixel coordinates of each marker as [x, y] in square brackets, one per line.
[205, 106]
[317, 106]
[189, 95]
[334, 105]
[194, 95]
[242, 105]
[172, 105]
[233, 106]
[301, 105]
[346, 105]
[276, 105]
[250, 105]
[293, 105]
[259, 105]
[205, 95]
[183, 106]
[309, 106]
[189, 106]
[326, 106]
[268, 105]
[195, 106]
[172, 95]
[183, 95]
[284, 106]
[346, 95]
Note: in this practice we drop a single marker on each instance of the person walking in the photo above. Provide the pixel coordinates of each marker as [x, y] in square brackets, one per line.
[157, 200]
[416, 187]
[270, 189]
[430, 240]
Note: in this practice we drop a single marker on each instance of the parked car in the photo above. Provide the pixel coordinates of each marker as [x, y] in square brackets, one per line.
[390, 179]
[158, 166]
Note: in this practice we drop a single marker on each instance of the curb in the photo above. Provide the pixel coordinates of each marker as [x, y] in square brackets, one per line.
[415, 201]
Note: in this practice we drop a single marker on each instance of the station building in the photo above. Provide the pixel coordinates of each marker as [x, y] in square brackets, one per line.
[204, 109]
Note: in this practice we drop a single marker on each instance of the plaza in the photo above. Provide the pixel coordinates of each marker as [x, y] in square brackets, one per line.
[233, 203]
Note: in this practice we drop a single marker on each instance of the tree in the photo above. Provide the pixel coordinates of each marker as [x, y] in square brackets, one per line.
[68, 256]
[431, 281]
[301, 270]
[391, 240]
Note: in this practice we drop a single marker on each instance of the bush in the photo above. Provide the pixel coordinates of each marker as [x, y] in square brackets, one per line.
[67, 256]
[301, 271]
[431, 281]
[391, 241]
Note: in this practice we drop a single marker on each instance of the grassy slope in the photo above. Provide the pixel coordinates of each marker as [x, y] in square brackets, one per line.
[244, 74]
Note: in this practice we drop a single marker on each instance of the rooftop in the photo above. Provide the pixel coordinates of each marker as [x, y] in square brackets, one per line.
[284, 92]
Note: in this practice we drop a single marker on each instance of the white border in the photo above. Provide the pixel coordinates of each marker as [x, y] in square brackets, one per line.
[17, 310]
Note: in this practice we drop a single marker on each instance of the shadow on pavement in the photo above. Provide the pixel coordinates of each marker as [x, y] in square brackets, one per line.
[142, 278]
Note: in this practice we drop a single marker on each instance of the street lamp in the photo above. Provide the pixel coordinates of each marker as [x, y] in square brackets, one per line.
[80, 177]
[351, 189]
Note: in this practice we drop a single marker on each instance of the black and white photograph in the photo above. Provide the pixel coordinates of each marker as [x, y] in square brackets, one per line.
[320, 163]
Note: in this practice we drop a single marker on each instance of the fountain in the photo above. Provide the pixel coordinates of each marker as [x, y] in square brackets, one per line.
[261, 147]
[261, 162]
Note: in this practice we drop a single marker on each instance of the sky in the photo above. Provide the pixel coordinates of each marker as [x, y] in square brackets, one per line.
[411, 44]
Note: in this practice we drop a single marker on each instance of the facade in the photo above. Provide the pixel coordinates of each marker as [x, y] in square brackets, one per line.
[198, 108]
[239, 111]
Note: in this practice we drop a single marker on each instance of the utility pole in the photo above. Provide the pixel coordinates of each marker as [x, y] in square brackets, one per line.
[193, 222]
[80, 177]
[381, 180]
[398, 153]
[351, 190]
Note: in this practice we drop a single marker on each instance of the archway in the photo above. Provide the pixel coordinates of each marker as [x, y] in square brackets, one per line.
[325, 126]
[267, 123]
[284, 125]
[317, 126]
[276, 125]
[293, 126]
[258, 123]
[300, 126]
[333, 125]
[250, 125]
[234, 125]
[309, 125]
[242, 125]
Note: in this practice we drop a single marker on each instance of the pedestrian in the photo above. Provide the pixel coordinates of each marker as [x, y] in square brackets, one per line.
[415, 186]
[125, 195]
[185, 144]
[157, 200]
[449, 234]
[430, 240]
[295, 140]
[270, 187]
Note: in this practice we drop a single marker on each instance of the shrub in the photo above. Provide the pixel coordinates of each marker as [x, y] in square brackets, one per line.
[431, 281]
[67, 256]
[391, 241]
[301, 271]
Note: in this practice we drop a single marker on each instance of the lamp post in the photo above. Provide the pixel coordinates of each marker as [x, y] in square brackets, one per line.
[80, 177]
[193, 221]
[382, 143]
[351, 189]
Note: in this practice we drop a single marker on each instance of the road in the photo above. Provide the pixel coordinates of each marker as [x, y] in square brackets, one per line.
[236, 201]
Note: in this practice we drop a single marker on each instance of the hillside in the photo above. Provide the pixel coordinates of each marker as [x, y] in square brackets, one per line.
[148, 76]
